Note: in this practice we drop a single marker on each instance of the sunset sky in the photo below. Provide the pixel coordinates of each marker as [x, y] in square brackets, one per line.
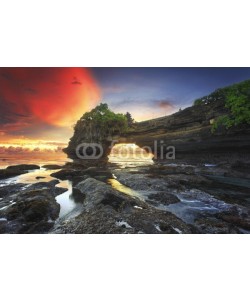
[39, 106]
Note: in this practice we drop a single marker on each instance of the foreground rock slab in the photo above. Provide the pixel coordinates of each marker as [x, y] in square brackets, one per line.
[16, 170]
[106, 210]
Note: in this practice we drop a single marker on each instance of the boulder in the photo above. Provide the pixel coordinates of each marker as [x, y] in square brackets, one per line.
[16, 170]
[23, 167]
[70, 174]
[30, 211]
[4, 173]
[51, 185]
[52, 167]
[97, 192]
[67, 174]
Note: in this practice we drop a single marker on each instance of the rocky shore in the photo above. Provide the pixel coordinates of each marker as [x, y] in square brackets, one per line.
[29, 208]
[159, 198]
[106, 210]
[163, 198]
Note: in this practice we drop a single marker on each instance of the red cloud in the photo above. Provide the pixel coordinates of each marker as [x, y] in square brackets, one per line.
[50, 95]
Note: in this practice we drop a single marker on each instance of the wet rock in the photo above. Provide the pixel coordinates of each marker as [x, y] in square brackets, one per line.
[236, 217]
[51, 185]
[163, 198]
[138, 181]
[104, 219]
[52, 167]
[16, 170]
[106, 210]
[73, 174]
[97, 192]
[10, 173]
[213, 225]
[183, 181]
[30, 212]
[23, 167]
[99, 220]
[172, 169]
[151, 220]
[11, 189]
[67, 174]
[81, 164]
[3, 225]
[241, 166]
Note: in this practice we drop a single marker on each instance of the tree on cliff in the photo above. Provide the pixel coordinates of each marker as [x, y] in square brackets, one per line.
[106, 121]
[237, 100]
[130, 120]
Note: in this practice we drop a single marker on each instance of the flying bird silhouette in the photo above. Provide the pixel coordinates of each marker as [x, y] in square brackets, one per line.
[75, 81]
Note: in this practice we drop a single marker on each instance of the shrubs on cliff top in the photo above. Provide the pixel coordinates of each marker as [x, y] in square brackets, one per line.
[215, 96]
[237, 100]
[106, 121]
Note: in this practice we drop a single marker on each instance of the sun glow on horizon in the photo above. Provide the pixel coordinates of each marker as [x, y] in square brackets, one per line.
[28, 145]
[44, 102]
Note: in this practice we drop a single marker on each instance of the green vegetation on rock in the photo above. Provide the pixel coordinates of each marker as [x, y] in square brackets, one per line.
[236, 99]
[106, 121]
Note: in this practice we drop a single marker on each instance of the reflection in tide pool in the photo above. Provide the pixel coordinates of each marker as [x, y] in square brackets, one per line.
[34, 176]
[66, 200]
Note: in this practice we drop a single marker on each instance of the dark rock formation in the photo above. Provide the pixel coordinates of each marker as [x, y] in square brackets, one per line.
[86, 132]
[29, 208]
[10, 189]
[106, 210]
[51, 185]
[189, 131]
[4, 173]
[23, 167]
[97, 192]
[16, 170]
[72, 172]
[52, 167]
[33, 211]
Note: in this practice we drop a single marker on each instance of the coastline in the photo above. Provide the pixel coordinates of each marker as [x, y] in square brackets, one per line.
[128, 197]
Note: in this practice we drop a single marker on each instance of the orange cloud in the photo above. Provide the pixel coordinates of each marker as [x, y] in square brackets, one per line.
[56, 96]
